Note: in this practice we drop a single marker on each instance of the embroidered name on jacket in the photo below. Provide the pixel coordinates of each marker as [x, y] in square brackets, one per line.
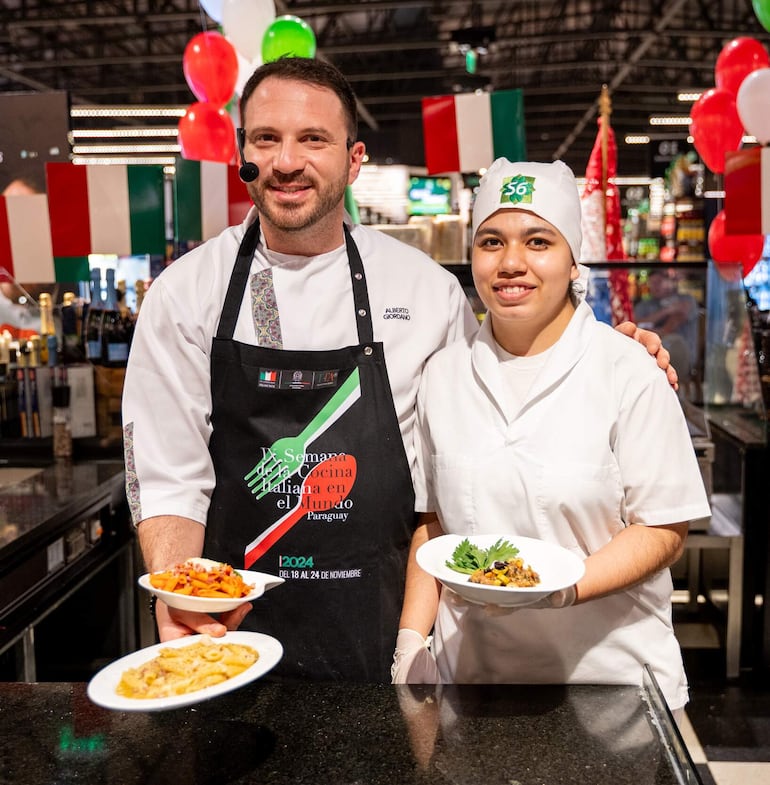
[397, 313]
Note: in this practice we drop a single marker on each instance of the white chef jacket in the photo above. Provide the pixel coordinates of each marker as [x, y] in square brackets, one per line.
[417, 307]
[600, 443]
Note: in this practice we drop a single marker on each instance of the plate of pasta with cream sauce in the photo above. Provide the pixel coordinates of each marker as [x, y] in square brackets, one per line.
[184, 671]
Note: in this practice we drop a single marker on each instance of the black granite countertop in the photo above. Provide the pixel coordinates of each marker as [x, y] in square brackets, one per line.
[59, 525]
[334, 734]
[51, 494]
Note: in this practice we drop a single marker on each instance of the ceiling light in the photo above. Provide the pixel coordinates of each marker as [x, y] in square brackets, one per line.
[123, 133]
[688, 97]
[637, 139]
[84, 160]
[128, 111]
[123, 149]
[670, 120]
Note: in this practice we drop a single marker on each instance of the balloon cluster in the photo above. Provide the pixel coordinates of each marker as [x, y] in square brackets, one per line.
[718, 120]
[218, 65]
[257, 36]
[206, 132]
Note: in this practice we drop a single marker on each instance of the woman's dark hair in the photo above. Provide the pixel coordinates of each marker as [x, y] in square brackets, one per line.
[316, 72]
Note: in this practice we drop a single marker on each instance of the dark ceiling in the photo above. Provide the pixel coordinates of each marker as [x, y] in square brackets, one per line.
[395, 52]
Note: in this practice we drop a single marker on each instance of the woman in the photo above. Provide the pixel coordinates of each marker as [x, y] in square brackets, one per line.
[549, 425]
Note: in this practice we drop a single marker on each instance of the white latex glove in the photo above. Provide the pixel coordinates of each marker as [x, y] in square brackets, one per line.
[413, 661]
[556, 599]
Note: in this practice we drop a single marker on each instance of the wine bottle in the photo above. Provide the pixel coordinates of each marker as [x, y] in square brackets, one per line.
[71, 351]
[48, 344]
[116, 330]
[93, 325]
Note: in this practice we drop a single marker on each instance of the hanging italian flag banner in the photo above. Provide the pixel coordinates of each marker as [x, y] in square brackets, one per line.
[747, 191]
[208, 197]
[103, 209]
[25, 239]
[468, 131]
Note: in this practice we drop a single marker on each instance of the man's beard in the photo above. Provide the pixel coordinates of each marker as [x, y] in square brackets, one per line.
[295, 218]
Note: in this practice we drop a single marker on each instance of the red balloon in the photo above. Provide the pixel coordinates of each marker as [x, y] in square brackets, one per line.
[737, 60]
[207, 134]
[743, 248]
[210, 67]
[715, 127]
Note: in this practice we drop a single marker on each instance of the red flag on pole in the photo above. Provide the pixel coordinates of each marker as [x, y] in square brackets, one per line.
[602, 234]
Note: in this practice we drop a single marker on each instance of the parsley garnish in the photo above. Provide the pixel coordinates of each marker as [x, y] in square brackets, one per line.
[468, 557]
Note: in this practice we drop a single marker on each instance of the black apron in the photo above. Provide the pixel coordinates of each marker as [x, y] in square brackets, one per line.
[337, 613]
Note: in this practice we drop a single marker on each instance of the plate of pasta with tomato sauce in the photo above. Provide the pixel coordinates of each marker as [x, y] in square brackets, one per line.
[207, 586]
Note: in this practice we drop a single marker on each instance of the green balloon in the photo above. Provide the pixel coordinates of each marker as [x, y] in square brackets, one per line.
[762, 10]
[288, 36]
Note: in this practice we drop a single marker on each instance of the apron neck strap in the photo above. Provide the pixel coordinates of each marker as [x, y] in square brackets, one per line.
[238, 280]
[360, 290]
[240, 277]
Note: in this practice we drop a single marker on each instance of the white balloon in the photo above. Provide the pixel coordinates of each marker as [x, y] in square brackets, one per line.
[213, 8]
[245, 69]
[753, 102]
[245, 22]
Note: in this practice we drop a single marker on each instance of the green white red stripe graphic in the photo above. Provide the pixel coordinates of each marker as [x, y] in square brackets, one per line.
[468, 131]
[115, 209]
[208, 197]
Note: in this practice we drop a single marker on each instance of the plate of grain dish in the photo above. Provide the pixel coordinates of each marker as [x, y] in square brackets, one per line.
[499, 569]
[184, 671]
[207, 586]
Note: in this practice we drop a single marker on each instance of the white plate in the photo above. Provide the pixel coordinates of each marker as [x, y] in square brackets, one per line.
[102, 687]
[185, 602]
[557, 567]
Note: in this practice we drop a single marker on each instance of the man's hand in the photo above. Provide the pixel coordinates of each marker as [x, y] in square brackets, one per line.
[651, 341]
[174, 623]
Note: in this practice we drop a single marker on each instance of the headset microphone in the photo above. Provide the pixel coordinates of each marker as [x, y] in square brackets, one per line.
[248, 171]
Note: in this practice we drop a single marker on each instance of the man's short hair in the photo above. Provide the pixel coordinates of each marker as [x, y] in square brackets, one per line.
[312, 71]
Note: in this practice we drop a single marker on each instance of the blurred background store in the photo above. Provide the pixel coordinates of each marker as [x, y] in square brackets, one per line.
[106, 180]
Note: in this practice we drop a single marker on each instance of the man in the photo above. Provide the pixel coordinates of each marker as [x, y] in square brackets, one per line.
[274, 430]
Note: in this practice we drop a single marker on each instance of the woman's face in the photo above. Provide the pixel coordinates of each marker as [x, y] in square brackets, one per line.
[522, 268]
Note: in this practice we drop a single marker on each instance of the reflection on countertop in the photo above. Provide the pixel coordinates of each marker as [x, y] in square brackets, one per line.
[328, 733]
[32, 498]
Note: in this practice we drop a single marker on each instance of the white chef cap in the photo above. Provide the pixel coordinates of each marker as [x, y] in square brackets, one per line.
[547, 190]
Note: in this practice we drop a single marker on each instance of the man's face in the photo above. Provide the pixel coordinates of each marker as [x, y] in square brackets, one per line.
[297, 135]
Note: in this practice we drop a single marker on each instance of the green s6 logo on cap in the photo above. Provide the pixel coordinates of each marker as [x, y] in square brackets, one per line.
[517, 190]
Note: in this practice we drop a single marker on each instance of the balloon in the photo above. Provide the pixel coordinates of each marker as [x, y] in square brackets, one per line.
[737, 60]
[753, 103]
[743, 248]
[213, 8]
[715, 127]
[288, 35]
[210, 67]
[206, 133]
[762, 11]
[245, 69]
[245, 22]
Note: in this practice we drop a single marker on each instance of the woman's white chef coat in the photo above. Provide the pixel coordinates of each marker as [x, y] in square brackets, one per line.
[417, 307]
[599, 443]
